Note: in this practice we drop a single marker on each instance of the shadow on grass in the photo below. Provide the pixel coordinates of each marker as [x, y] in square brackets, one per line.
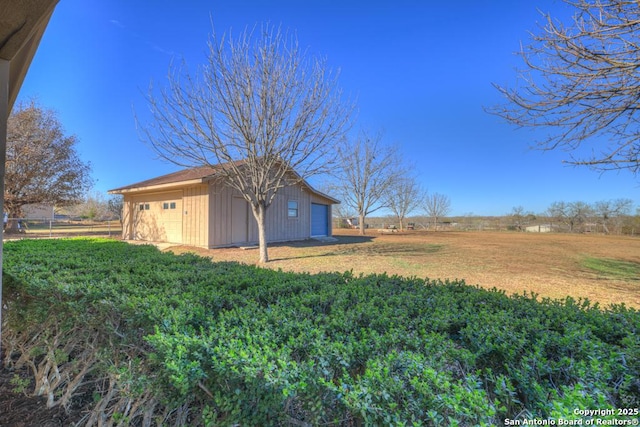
[356, 245]
[341, 241]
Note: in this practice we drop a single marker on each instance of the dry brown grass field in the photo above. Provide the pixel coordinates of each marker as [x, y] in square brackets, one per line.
[551, 265]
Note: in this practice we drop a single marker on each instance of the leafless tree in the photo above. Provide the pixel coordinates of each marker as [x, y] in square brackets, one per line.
[578, 214]
[367, 170]
[520, 218]
[558, 212]
[437, 205]
[404, 195]
[42, 165]
[581, 82]
[610, 212]
[260, 110]
[115, 206]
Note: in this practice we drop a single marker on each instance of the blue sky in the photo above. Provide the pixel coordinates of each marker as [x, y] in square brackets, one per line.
[422, 72]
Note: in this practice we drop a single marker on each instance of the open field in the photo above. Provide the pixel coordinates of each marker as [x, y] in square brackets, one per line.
[604, 269]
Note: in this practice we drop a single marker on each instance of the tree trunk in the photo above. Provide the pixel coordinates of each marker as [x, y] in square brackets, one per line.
[259, 212]
[361, 224]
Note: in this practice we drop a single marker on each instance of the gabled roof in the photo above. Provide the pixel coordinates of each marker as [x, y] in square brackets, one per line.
[191, 176]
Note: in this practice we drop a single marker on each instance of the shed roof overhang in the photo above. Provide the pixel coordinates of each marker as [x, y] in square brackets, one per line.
[22, 24]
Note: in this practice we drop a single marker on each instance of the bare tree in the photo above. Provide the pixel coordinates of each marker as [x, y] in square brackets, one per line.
[610, 212]
[260, 110]
[557, 212]
[367, 169]
[520, 218]
[115, 206]
[437, 205]
[581, 82]
[42, 165]
[404, 195]
[578, 213]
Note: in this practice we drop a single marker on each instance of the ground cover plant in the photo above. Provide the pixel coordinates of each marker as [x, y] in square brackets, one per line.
[140, 337]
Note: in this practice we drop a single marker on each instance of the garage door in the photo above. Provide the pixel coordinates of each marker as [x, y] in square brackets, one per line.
[158, 217]
[319, 220]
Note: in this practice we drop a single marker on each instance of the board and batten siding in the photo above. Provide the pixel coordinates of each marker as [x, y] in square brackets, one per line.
[219, 215]
[281, 228]
[224, 213]
[195, 206]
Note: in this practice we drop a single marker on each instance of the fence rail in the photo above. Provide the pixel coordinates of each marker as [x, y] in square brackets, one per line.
[20, 228]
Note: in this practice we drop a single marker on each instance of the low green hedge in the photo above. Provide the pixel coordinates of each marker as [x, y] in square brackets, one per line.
[160, 339]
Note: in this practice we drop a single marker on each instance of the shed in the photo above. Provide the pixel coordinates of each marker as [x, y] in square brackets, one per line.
[193, 207]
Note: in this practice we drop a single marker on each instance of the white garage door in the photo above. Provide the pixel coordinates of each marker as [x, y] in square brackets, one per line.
[158, 217]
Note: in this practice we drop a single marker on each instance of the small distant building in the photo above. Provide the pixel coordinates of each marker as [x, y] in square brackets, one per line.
[541, 228]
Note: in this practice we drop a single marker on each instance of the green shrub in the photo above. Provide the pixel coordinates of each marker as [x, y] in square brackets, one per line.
[182, 340]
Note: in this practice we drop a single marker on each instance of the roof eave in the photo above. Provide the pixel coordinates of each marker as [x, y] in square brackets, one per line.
[159, 187]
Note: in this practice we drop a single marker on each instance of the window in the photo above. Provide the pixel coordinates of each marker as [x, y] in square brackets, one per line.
[141, 206]
[144, 206]
[293, 208]
[172, 205]
[167, 205]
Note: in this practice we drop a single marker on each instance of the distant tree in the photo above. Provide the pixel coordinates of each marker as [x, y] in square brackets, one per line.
[366, 171]
[610, 212]
[42, 165]
[404, 195]
[558, 212]
[581, 82]
[115, 206]
[93, 207]
[519, 218]
[578, 213]
[437, 206]
[261, 111]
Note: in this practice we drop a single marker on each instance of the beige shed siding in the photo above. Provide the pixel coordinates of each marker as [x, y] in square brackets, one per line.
[127, 215]
[196, 216]
[219, 215]
[279, 226]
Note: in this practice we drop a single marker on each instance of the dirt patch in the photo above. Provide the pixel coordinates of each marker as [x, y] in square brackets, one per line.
[547, 264]
[19, 410]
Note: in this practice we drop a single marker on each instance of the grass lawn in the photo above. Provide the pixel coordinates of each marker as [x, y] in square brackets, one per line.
[604, 269]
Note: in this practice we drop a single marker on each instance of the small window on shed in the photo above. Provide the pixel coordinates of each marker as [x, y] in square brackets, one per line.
[165, 205]
[172, 205]
[146, 206]
[141, 206]
[293, 208]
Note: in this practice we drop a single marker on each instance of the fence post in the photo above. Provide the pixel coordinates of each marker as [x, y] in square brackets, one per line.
[109, 222]
[50, 228]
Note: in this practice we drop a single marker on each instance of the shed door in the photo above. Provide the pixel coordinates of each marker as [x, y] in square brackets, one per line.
[239, 220]
[319, 220]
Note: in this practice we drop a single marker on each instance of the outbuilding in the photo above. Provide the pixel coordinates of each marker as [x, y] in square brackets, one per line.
[193, 207]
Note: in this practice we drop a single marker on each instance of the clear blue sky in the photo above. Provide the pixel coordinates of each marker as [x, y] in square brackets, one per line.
[422, 72]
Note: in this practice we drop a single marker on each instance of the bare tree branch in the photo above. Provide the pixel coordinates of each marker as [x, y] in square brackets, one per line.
[581, 81]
